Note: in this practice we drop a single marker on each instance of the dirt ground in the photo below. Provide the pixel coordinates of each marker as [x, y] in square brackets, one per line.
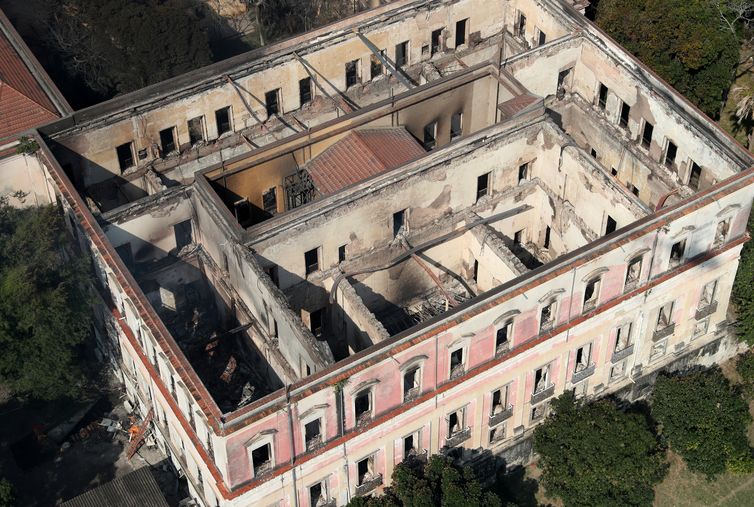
[44, 473]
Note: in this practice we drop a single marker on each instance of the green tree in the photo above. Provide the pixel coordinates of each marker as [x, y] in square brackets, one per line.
[745, 368]
[683, 41]
[704, 418]
[44, 303]
[438, 482]
[118, 46]
[596, 455]
[7, 498]
[742, 294]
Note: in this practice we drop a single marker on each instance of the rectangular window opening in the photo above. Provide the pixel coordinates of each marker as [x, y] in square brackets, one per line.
[625, 113]
[591, 293]
[456, 125]
[547, 316]
[503, 335]
[523, 173]
[261, 458]
[375, 65]
[401, 54]
[520, 28]
[365, 470]
[196, 130]
[546, 243]
[411, 383]
[341, 253]
[633, 273]
[695, 176]
[352, 73]
[610, 225]
[125, 156]
[313, 433]
[482, 185]
[456, 362]
[316, 323]
[541, 38]
[436, 43]
[623, 337]
[721, 232]
[272, 102]
[602, 100]
[676, 252]
[311, 260]
[305, 90]
[646, 134]
[461, 32]
[583, 358]
[670, 153]
[430, 136]
[542, 379]
[518, 237]
[167, 140]
[362, 405]
[222, 118]
[399, 222]
[270, 201]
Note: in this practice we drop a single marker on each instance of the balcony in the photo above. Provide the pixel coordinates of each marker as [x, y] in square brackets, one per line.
[325, 503]
[501, 416]
[458, 438]
[369, 485]
[415, 456]
[666, 331]
[582, 374]
[457, 371]
[314, 443]
[630, 285]
[706, 311]
[542, 395]
[411, 394]
[502, 348]
[621, 354]
[363, 419]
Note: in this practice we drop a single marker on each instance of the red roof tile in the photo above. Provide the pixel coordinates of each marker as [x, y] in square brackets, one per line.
[23, 102]
[512, 107]
[19, 113]
[360, 155]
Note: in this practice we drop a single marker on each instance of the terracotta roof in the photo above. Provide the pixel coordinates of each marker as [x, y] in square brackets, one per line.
[362, 154]
[512, 107]
[19, 113]
[23, 102]
[136, 489]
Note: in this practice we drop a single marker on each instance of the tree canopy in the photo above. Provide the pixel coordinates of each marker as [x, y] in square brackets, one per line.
[117, 46]
[439, 482]
[7, 499]
[742, 294]
[44, 303]
[704, 418]
[596, 455]
[684, 41]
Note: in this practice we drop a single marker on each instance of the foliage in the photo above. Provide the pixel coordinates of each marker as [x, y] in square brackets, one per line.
[44, 303]
[118, 46]
[277, 19]
[439, 482]
[26, 146]
[742, 294]
[596, 455]
[704, 418]
[7, 499]
[745, 368]
[682, 40]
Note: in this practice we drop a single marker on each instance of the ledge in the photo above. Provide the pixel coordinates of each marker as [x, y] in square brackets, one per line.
[459, 438]
[585, 373]
[622, 354]
[664, 332]
[542, 395]
[706, 311]
[496, 419]
[369, 486]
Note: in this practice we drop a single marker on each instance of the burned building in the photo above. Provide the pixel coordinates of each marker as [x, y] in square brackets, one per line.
[398, 235]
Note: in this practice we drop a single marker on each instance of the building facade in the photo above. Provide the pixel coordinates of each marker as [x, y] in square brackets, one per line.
[397, 235]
